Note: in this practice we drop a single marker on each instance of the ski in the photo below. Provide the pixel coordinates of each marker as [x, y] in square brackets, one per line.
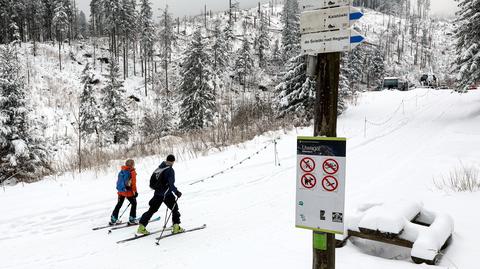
[186, 231]
[109, 226]
[136, 236]
[129, 225]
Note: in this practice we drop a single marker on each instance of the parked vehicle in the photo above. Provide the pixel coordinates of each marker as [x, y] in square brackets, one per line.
[429, 80]
[443, 86]
[474, 86]
[395, 83]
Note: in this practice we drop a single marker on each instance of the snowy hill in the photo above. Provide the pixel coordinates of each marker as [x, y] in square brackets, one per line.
[55, 94]
[410, 139]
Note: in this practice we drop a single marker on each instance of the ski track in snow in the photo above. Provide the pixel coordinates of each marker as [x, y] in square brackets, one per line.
[249, 210]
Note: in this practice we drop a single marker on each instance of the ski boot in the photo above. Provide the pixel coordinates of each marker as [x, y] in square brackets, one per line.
[177, 229]
[142, 230]
[132, 221]
[113, 221]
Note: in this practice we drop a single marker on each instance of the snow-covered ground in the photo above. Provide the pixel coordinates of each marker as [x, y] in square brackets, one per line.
[410, 138]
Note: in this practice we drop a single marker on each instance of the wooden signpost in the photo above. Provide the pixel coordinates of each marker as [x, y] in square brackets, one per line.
[326, 32]
[319, 4]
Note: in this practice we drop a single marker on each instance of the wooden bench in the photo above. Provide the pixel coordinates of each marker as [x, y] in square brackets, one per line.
[415, 234]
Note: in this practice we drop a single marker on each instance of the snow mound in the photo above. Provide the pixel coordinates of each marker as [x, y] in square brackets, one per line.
[390, 217]
[429, 232]
[431, 240]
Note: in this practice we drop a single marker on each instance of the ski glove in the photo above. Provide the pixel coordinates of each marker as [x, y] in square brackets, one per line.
[136, 194]
[178, 194]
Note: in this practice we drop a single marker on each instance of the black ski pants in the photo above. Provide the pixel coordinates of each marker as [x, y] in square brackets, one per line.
[155, 204]
[133, 208]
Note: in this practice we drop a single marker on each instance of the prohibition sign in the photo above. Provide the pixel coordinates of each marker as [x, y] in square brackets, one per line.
[307, 165]
[330, 166]
[308, 181]
[329, 183]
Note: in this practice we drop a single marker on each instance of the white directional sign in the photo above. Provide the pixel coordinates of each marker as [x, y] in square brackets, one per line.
[320, 197]
[318, 4]
[334, 41]
[329, 19]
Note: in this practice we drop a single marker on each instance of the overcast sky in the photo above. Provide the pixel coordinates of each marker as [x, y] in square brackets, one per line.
[191, 7]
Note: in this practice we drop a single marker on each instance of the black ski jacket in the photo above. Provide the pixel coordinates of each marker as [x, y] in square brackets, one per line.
[167, 181]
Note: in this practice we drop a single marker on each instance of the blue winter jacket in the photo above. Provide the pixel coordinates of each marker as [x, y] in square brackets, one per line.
[167, 181]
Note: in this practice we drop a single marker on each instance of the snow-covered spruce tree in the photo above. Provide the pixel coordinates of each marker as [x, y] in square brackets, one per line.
[375, 63]
[24, 154]
[244, 62]
[61, 23]
[344, 84]
[219, 49]
[354, 66]
[82, 24]
[467, 63]
[229, 36]
[196, 93]
[219, 54]
[291, 29]
[276, 55]
[158, 123]
[96, 17]
[90, 114]
[167, 38]
[147, 28]
[128, 22]
[117, 123]
[296, 92]
[262, 41]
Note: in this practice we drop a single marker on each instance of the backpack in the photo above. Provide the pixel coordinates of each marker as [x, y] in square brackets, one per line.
[155, 182]
[124, 181]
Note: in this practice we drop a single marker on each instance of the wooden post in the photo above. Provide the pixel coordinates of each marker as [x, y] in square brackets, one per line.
[328, 75]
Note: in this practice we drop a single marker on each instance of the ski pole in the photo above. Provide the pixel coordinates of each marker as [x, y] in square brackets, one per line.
[124, 210]
[166, 221]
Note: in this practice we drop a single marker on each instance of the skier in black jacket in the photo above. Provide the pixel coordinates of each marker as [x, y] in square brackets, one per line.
[165, 192]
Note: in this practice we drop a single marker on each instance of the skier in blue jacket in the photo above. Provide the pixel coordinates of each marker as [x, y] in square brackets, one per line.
[165, 192]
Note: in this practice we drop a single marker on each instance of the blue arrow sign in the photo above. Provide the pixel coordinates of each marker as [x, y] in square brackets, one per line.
[356, 16]
[356, 39]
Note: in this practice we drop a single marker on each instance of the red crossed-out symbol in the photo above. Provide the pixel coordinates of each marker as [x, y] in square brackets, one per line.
[308, 181]
[330, 166]
[329, 183]
[307, 164]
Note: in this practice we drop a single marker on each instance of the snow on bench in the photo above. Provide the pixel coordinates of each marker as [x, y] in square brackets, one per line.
[431, 240]
[389, 217]
[405, 224]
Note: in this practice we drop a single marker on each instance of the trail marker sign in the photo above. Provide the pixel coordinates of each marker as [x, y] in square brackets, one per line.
[319, 4]
[320, 196]
[338, 18]
[334, 41]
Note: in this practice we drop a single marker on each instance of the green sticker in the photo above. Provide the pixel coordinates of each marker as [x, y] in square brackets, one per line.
[320, 241]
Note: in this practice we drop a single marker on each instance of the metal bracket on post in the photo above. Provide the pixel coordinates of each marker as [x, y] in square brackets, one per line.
[311, 66]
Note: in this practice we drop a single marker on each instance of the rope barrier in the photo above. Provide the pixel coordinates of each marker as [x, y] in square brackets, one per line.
[401, 105]
[239, 163]
[389, 119]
